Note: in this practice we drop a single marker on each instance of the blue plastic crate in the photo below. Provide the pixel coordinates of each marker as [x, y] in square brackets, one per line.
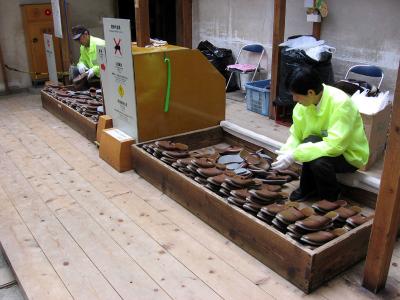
[257, 96]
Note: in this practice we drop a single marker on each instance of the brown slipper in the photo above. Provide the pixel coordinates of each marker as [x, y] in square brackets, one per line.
[175, 154]
[209, 172]
[291, 173]
[217, 180]
[322, 237]
[203, 162]
[325, 206]
[252, 208]
[347, 212]
[266, 218]
[275, 208]
[242, 194]
[170, 146]
[228, 150]
[266, 194]
[358, 220]
[316, 222]
[292, 214]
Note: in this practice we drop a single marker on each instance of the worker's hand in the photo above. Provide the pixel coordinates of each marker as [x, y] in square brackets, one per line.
[81, 68]
[283, 161]
[90, 73]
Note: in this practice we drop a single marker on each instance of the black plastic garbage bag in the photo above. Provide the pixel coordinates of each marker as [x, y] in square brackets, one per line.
[294, 58]
[220, 58]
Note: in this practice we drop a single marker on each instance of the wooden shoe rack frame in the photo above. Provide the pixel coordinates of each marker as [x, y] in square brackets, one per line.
[305, 268]
[80, 123]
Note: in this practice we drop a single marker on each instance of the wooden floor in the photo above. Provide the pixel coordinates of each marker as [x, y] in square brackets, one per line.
[73, 228]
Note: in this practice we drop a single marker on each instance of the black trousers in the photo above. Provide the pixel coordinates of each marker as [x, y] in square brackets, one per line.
[320, 174]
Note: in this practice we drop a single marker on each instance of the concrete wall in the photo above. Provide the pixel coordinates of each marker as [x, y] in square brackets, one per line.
[90, 14]
[365, 31]
[12, 43]
[12, 40]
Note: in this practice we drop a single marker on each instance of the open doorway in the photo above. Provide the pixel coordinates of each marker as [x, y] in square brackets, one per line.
[162, 17]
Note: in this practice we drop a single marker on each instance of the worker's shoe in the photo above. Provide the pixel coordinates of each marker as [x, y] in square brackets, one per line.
[299, 195]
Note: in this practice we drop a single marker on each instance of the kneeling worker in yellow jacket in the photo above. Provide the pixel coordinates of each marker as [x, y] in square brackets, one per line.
[327, 136]
[88, 55]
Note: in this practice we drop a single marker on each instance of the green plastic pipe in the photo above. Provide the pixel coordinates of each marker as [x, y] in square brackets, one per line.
[168, 93]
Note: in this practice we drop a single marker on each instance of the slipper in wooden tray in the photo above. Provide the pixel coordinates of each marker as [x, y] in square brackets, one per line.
[292, 174]
[243, 172]
[297, 230]
[282, 227]
[274, 181]
[185, 161]
[230, 158]
[347, 212]
[264, 217]
[212, 187]
[259, 172]
[294, 235]
[230, 187]
[175, 154]
[167, 160]
[200, 180]
[170, 146]
[293, 214]
[358, 220]
[205, 153]
[322, 237]
[209, 172]
[203, 162]
[317, 222]
[275, 208]
[257, 200]
[271, 188]
[224, 192]
[228, 150]
[267, 194]
[325, 206]
[218, 180]
[241, 181]
[252, 208]
[236, 201]
[242, 194]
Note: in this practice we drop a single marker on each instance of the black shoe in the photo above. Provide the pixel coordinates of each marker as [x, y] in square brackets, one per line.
[299, 195]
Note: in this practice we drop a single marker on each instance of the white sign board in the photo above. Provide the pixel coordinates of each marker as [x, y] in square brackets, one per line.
[102, 61]
[55, 7]
[50, 57]
[119, 88]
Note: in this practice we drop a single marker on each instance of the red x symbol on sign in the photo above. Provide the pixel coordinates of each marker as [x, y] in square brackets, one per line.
[117, 46]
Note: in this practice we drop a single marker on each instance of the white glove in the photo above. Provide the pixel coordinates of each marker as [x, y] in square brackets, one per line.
[283, 161]
[90, 73]
[82, 68]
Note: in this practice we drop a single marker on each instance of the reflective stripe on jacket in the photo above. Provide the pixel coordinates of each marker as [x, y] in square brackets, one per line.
[337, 121]
[89, 56]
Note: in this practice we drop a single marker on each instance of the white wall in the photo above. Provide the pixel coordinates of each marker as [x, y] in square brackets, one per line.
[90, 14]
[362, 31]
[12, 40]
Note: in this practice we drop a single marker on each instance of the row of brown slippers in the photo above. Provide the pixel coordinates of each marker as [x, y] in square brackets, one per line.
[306, 226]
[179, 157]
[254, 198]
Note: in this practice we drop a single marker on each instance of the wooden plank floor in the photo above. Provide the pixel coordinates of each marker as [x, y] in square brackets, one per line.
[73, 228]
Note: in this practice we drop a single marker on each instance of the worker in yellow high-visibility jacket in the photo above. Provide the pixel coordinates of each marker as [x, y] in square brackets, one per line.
[327, 136]
[88, 55]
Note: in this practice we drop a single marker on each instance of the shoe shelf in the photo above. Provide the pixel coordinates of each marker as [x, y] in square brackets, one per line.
[303, 266]
[85, 126]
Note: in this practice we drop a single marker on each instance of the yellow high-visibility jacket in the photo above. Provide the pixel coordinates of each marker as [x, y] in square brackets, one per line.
[337, 121]
[89, 56]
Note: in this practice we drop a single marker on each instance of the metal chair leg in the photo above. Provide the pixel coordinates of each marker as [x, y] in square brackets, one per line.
[229, 80]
